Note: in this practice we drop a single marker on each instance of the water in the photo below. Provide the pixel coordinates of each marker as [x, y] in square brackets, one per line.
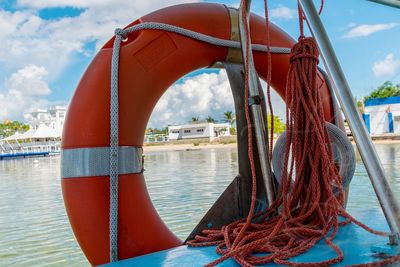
[34, 229]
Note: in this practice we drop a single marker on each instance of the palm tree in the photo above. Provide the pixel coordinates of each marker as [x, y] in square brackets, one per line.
[195, 119]
[229, 116]
[210, 119]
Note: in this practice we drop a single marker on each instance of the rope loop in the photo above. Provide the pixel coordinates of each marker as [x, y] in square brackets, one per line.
[303, 18]
[305, 48]
[121, 32]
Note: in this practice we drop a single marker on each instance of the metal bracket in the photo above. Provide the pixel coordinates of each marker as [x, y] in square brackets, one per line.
[234, 202]
[234, 55]
[255, 100]
[260, 128]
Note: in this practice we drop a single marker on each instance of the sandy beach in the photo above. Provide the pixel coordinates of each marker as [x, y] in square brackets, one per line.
[191, 146]
[183, 147]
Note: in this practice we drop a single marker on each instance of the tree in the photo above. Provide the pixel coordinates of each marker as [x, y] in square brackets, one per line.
[150, 131]
[8, 128]
[360, 105]
[195, 119]
[210, 119]
[229, 116]
[387, 89]
[279, 126]
[164, 130]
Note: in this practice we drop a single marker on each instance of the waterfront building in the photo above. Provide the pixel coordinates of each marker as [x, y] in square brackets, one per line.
[53, 117]
[41, 139]
[44, 134]
[204, 130]
[382, 115]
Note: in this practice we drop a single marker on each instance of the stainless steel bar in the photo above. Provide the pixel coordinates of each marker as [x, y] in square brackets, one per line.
[391, 3]
[256, 110]
[376, 173]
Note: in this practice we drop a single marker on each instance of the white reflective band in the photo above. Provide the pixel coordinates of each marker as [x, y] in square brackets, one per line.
[86, 162]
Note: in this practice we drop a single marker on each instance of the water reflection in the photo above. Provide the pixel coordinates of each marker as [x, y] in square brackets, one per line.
[34, 229]
[362, 195]
[184, 184]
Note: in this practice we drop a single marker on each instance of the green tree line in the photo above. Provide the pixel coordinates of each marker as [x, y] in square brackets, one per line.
[387, 89]
[229, 117]
[8, 128]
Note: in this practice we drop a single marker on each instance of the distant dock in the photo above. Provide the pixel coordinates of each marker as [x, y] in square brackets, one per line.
[24, 155]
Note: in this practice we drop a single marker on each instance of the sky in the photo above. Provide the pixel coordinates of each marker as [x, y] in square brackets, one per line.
[46, 45]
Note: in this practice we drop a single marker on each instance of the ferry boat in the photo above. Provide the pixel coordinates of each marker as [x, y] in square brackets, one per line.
[264, 217]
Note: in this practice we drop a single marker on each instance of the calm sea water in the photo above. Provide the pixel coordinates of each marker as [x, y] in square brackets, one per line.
[34, 228]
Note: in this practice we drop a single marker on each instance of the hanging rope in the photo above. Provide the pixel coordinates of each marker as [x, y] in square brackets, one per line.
[307, 210]
[269, 77]
[114, 143]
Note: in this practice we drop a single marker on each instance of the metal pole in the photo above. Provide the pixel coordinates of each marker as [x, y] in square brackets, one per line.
[371, 160]
[392, 3]
[256, 110]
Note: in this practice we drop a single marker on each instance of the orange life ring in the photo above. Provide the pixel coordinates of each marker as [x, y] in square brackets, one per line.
[150, 62]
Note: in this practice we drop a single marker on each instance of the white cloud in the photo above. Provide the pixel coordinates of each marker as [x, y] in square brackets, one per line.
[365, 29]
[62, 3]
[27, 39]
[282, 12]
[113, 4]
[204, 95]
[26, 90]
[387, 66]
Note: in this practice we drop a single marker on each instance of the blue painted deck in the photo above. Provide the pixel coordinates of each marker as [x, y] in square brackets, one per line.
[23, 155]
[355, 242]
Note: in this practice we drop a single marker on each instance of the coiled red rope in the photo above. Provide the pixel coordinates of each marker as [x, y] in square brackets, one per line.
[307, 210]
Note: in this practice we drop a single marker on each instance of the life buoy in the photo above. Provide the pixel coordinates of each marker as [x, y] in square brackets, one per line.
[150, 62]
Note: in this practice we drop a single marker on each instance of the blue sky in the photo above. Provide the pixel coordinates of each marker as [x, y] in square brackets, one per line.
[47, 44]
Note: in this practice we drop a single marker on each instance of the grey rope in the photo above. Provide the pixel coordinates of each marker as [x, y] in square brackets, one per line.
[114, 143]
[121, 34]
[199, 36]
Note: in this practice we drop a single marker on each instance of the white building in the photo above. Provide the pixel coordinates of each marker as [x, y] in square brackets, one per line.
[44, 134]
[382, 115]
[42, 139]
[198, 130]
[53, 117]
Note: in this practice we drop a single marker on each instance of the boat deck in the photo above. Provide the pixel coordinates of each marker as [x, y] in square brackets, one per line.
[355, 242]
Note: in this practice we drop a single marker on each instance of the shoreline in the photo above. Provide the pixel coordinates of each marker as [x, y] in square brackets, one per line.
[201, 146]
[186, 147]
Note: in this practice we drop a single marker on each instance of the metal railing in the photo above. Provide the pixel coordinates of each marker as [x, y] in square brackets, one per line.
[261, 133]
[392, 3]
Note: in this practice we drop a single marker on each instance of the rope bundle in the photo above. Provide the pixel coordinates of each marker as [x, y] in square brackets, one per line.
[307, 210]
[309, 206]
